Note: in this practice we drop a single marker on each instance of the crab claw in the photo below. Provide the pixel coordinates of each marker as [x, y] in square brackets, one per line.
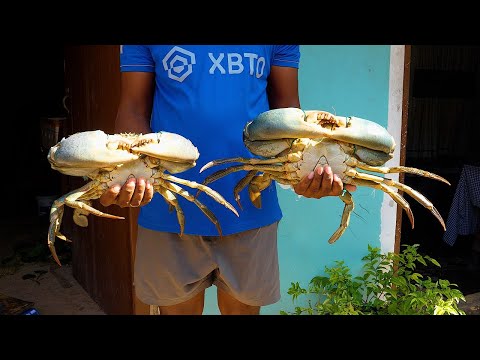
[167, 146]
[84, 152]
[290, 123]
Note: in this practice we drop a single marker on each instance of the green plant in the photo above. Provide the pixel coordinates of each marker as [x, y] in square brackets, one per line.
[388, 285]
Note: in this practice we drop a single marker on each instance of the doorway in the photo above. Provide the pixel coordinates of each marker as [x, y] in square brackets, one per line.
[442, 137]
[36, 89]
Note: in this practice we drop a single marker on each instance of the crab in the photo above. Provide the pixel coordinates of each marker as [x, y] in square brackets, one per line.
[290, 143]
[112, 159]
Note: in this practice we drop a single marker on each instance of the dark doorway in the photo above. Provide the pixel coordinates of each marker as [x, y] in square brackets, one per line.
[35, 88]
[442, 137]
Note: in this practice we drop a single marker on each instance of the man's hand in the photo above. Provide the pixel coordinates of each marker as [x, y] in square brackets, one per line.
[320, 183]
[134, 193]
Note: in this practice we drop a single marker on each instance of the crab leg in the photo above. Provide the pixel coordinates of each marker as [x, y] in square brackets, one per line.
[241, 185]
[212, 193]
[172, 201]
[413, 193]
[252, 161]
[287, 180]
[70, 199]
[178, 190]
[260, 183]
[395, 169]
[393, 194]
[56, 215]
[257, 185]
[254, 166]
[346, 197]
[224, 172]
[80, 215]
[419, 197]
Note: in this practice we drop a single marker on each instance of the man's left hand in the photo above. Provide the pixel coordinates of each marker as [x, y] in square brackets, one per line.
[320, 183]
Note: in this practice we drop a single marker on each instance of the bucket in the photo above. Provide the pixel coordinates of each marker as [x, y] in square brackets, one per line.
[44, 203]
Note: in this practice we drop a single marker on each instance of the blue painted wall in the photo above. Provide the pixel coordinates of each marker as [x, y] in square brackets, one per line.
[346, 80]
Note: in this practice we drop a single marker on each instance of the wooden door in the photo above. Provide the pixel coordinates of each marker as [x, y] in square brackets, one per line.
[103, 252]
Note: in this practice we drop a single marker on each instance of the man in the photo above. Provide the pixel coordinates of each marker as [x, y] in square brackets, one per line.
[207, 93]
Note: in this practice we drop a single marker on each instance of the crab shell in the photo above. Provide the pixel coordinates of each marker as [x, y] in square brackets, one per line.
[262, 136]
[83, 153]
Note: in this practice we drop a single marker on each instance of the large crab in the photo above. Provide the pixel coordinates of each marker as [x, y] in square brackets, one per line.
[291, 143]
[112, 159]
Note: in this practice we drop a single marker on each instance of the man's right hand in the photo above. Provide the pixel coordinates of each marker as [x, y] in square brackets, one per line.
[134, 193]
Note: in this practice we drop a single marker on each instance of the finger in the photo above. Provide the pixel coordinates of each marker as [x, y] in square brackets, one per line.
[303, 185]
[327, 180]
[110, 195]
[337, 186]
[138, 193]
[316, 183]
[148, 194]
[126, 193]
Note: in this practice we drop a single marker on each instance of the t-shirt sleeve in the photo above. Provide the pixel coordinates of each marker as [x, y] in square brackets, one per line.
[136, 58]
[286, 55]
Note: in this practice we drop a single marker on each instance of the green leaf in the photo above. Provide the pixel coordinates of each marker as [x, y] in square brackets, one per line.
[435, 262]
[379, 289]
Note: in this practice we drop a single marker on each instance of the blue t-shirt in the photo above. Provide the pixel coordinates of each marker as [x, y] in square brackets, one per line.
[207, 93]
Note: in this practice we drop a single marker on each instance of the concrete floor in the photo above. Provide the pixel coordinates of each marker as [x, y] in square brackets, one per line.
[472, 304]
[51, 288]
[24, 254]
